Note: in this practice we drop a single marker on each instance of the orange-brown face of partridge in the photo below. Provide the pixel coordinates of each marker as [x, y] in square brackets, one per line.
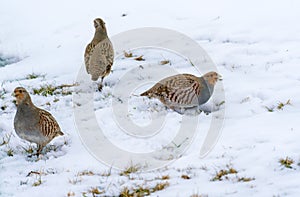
[212, 78]
[21, 95]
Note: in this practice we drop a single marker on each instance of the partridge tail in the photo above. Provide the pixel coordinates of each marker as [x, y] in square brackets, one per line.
[58, 133]
[145, 93]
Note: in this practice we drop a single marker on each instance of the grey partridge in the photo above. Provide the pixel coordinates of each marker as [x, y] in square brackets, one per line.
[32, 123]
[184, 91]
[99, 53]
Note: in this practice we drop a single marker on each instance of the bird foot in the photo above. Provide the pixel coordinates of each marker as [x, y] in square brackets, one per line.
[100, 86]
[34, 157]
[30, 156]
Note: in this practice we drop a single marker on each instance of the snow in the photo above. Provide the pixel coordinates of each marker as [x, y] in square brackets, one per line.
[255, 47]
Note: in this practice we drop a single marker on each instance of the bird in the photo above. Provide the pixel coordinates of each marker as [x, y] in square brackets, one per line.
[183, 91]
[33, 124]
[99, 53]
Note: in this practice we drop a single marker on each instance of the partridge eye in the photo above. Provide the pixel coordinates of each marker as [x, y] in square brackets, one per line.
[20, 91]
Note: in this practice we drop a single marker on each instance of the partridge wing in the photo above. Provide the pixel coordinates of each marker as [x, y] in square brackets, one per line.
[87, 55]
[98, 60]
[182, 90]
[48, 125]
[109, 55]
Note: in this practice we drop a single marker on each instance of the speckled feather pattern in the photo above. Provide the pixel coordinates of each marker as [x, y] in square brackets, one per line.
[99, 54]
[48, 125]
[183, 90]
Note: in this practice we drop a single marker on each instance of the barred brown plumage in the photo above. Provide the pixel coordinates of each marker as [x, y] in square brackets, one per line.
[184, 90]
[99, 53]
[32, 123]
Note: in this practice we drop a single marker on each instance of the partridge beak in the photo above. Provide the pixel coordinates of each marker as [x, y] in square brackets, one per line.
[220, 77]
[13, 94]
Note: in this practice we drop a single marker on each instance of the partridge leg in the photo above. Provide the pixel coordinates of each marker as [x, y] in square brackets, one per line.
[100, 86]
[39, 150]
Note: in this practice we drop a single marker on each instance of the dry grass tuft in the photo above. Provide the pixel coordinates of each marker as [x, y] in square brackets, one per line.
[220, 175]
[51, 90]
[140, 58]
[287, 162]
[163, 62]
[184, 176]
[131, 169]
[128, 55]
[143, 191]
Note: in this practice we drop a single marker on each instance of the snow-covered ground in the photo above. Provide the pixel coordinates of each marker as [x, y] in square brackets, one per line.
[255, 46]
